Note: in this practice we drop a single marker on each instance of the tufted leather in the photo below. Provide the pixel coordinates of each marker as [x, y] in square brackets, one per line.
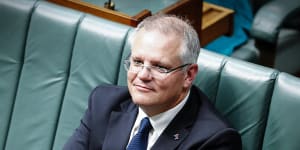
[282, 127]
[51, 57]
[13, 31]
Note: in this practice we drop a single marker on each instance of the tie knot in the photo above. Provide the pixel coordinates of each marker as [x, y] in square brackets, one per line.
[145, 125]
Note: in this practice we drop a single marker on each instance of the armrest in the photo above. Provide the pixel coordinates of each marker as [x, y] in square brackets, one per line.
[247, 52]
[270, 17]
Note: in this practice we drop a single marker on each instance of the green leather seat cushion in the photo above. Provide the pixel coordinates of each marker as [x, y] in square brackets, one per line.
[244, 94]
[43, 77]
[282, 131]
[12, 40]
[96, 59]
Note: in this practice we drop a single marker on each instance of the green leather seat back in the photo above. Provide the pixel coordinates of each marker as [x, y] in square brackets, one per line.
[282, 132]
[52, 57]
[243, 98]
[122, 77]
[43, 77]
[95, 61]
[210, 67]
[13, 27]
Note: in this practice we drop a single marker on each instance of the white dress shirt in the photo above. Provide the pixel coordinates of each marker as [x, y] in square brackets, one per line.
[159, 122]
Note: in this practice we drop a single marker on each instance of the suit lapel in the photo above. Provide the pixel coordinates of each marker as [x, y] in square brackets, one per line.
[170, 139]
[181, 125]
[119, 127]
[122, 119]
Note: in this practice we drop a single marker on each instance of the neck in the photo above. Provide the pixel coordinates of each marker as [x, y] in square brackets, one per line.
[160, 108]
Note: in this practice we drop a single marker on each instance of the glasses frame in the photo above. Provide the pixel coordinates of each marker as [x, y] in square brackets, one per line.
[127, 64]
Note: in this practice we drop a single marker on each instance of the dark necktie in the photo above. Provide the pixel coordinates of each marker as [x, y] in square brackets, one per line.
[140, 140]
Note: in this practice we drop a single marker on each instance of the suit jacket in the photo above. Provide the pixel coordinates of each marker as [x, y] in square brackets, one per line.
[111, 114]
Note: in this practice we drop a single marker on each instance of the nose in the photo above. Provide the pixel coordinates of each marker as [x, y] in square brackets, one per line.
[145, 73]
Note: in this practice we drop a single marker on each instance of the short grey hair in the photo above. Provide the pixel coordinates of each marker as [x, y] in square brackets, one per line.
[171, 24]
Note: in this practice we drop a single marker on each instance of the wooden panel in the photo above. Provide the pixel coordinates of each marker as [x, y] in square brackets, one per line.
[182, 7]
[210, 21]
[216, 21]
[104, 12]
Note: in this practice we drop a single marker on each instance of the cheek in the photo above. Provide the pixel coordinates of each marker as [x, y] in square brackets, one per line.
[129, 81]
[168, 86]
[130, 77]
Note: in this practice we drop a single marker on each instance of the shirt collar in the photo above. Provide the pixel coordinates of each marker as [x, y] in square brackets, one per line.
[160, 121]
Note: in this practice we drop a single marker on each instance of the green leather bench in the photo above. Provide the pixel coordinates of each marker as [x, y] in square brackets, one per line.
[51, 57]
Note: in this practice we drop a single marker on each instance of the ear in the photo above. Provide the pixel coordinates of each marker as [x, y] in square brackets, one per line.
[191, 74]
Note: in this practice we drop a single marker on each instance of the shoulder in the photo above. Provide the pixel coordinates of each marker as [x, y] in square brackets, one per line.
[211, 128]
[110, 91]
[208, 110]
[108, 96]
[208, 117]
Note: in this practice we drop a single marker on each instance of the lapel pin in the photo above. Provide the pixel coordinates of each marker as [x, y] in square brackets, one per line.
[176, 136]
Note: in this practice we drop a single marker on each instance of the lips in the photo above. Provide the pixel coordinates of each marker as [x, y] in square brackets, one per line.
[143, 88]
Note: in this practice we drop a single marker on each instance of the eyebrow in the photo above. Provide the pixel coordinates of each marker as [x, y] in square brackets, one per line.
[153, 62]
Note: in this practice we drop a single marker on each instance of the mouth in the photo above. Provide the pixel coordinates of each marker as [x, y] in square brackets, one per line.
[143, 88]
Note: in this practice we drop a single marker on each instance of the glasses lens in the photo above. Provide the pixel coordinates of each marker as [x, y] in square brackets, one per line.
[154, 72]
[158, 75]
[132, 68]
[137, 68]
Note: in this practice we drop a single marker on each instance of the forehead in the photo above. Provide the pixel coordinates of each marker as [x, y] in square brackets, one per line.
[156, 45]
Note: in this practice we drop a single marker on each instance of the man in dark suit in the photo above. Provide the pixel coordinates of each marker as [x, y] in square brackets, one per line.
[160, 108]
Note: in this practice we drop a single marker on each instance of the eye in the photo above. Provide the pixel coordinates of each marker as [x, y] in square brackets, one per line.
[161, 69]
[137, 62]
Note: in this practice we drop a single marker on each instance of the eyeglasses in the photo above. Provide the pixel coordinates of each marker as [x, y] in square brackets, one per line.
[157, 72]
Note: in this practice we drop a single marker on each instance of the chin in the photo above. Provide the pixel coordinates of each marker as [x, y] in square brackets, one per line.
[142, 100]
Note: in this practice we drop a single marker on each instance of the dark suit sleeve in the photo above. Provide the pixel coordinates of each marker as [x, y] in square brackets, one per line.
[227, 139]
[93, 126]
[80, 138]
